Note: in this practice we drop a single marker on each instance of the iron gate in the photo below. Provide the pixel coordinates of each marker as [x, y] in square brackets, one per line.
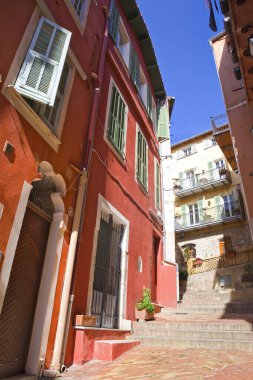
[106, 285]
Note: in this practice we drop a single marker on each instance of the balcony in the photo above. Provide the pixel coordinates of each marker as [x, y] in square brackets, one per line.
[207, 217]
[220, 124]
[221, 133]
[206, 180]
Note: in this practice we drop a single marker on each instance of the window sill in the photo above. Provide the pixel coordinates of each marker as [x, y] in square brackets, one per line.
[32, 118]
[208, 147]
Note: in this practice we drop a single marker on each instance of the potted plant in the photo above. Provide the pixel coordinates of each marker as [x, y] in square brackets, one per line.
[144, 309]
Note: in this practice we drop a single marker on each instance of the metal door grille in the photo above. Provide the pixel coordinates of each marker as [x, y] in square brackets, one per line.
[106, 285]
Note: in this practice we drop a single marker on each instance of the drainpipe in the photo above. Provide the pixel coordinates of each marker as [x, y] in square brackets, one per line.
[65, 310]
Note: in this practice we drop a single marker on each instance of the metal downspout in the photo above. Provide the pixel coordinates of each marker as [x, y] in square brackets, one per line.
[66, 305]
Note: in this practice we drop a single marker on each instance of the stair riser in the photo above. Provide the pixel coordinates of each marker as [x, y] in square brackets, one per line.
[219, 345]
[228, 335]
[171, 326]
[213, 311]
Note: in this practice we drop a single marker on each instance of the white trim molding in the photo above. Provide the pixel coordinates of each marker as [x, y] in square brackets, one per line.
[106, 207]
[13, 240]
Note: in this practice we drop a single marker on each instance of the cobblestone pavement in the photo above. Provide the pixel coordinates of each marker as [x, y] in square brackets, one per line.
[162, 363]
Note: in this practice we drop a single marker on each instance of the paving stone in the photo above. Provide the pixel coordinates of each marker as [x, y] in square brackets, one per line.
[164, 363]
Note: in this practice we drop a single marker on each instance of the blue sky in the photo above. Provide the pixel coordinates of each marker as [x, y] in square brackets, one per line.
[179, 31]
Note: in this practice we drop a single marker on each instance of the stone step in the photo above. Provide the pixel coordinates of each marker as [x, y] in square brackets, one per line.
[223, 325]
[110, 350]
[195, 334]
[220, 344]
[214, 308]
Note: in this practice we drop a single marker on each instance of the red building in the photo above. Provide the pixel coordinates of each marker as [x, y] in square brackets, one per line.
[80, 181]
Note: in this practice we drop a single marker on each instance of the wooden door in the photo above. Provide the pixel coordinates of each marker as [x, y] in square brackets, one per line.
[16, 319]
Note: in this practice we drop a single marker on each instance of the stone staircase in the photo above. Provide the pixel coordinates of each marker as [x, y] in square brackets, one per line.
[202, 319]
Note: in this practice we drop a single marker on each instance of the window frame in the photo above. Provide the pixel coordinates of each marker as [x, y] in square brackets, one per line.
[57, 128]
[122, 157]
[81, 24]
[158, 202]
[21, 85]
[139, 181]
[125, 51]
[17, 100]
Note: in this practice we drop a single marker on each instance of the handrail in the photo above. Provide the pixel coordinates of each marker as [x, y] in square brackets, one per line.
[202, 179]
[224, 261]
[208, 215]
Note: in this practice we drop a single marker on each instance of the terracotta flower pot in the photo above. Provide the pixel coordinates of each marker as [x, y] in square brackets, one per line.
[143, 315]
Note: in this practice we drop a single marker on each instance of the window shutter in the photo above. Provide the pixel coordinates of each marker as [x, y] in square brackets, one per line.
[40, 73]
[211, 171]
[142, 159]
[181, 176]
[158, 187]
[193, 148]
[200, 209]
[114, 21]
[134, 67]
[149, 102]
[218, 207]
[184, 215]
[117, 117]
[179, 154]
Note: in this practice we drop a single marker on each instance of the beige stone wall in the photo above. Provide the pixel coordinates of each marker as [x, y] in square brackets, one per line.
[207, 243]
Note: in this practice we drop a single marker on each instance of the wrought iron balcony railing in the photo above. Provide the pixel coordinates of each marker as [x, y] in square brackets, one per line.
[201, 217]
[203, 180]
[220, 262]
[219, 123]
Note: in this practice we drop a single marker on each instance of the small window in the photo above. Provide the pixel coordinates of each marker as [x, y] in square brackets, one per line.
[208, 143]
[134, 67]
[185, 152]
[41, 71]
[79, 7]
[143, 88]
[117, 121]
[123, 43]
[157, 185]
[114, 21]
[142, 160]
[219, 163]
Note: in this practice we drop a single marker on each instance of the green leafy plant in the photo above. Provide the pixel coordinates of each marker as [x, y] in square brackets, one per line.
[145, 303]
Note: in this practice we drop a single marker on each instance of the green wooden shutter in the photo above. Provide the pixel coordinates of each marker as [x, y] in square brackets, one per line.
[218, 207]
[184, 215]
[114, 21]
[134, 67]
[210, 171]
[116, 124]
[158, 185]
[181, 181]
[142, 159]
[163, 120]
[201, 211]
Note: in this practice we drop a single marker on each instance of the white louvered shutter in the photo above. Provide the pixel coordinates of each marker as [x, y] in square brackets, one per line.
[41, 71]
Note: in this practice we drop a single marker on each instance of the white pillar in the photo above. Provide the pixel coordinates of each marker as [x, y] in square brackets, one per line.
[45, 304]
[56, 360]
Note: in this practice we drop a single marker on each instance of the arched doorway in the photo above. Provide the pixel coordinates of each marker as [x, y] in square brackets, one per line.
[16, 320]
